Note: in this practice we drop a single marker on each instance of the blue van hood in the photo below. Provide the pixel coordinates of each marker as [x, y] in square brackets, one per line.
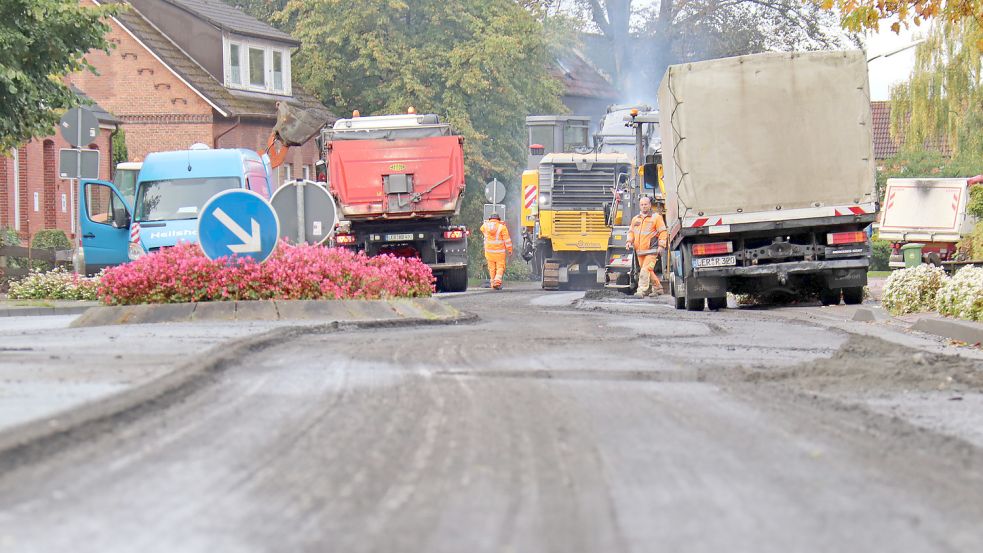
[164, 234]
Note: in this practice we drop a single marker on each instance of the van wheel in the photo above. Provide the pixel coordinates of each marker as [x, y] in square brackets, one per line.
[695, 305]
[680, 300]
[829, 297]
[853, 296]
[716, 304]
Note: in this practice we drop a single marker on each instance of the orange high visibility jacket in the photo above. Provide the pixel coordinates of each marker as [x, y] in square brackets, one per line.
[646, 227]
[497, 239]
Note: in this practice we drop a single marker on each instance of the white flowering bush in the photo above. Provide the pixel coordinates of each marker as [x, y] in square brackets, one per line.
[57, 284]
[962, 295]
[913, 290]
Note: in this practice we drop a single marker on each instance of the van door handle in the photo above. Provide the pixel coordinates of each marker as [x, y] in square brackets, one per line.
[88, 235]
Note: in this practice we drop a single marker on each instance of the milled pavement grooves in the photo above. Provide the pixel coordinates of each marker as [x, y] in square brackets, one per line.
[30, 439]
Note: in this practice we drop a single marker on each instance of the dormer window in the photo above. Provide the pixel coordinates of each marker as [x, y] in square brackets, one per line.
[255, 66]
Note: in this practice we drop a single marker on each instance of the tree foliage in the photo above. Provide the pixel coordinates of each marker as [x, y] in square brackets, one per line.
[646, 40]
[41, 42]
[942, 103]
[859, 15]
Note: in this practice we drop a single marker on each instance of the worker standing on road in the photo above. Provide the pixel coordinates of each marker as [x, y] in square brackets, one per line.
[498, 245]
[645, 227]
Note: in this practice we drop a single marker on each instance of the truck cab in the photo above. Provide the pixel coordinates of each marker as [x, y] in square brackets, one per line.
[117, 226]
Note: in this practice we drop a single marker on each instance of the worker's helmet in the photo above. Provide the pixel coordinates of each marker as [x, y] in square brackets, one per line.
[494, 216]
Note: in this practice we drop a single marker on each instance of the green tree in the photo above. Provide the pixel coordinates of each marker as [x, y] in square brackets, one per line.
[942, 103]
[645, 40]
[859, 15]
[482, 65]
[41, 42]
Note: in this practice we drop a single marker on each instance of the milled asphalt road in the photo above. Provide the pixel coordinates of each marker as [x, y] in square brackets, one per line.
[540, 428]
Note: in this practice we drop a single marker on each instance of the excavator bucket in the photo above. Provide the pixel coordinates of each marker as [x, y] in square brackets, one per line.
[295, 126]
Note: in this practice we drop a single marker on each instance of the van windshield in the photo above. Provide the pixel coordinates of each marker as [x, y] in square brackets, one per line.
[176, 199]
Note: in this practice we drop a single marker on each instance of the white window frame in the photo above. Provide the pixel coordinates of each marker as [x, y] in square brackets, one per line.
[307, 172]
[244, 75]
[288, 170]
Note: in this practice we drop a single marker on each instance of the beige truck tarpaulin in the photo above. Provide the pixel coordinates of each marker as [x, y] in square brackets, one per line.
[752, 133]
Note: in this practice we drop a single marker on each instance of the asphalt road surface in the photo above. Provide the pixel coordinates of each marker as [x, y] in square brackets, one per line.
[540, 428]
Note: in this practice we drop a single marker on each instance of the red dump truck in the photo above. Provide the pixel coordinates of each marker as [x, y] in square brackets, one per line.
[399, 179]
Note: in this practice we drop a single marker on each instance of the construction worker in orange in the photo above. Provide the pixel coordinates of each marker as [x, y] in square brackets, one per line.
[498, 245]
[647, 235]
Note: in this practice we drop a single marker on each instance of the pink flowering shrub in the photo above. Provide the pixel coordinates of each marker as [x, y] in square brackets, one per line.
[184, 274]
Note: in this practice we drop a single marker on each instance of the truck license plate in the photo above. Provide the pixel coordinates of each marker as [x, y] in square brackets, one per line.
[716, 261]
[398, 237]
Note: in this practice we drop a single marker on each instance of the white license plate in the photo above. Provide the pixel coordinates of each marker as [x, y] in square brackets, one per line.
[723, 261]
[398, 237]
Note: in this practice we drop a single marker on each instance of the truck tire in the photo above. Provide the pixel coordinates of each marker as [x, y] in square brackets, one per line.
[455, 280]
[716, 304]
[829, 296]
[694, 305]
[853, 296]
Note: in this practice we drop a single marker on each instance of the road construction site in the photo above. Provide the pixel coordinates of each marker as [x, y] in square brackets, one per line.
[548, 422]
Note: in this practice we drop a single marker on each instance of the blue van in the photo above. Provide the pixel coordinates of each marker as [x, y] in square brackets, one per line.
[171, 189]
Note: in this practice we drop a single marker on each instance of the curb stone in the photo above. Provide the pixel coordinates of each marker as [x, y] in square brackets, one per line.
[27, 441]
[962, 331]
[265, 310]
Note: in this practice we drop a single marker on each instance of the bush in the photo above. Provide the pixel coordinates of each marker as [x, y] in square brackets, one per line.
[58, 284]
[9, 237]
[184, 274]
[962, 295]
[880, 255]
[51, 239]
[913, 290]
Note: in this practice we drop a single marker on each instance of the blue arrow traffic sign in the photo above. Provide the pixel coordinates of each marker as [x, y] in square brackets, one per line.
[238, 222]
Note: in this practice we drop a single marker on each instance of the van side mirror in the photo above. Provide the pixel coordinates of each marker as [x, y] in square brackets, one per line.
[121, 218]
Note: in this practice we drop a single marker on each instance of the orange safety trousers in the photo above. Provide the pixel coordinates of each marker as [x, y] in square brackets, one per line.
[496, 267]
[647, 279]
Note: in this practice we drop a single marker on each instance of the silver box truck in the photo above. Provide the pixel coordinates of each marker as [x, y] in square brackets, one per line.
[769, 175]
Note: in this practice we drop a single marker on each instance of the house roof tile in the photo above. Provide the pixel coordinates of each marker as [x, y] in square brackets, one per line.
[233, 103]
[582, 79]
[232, 19]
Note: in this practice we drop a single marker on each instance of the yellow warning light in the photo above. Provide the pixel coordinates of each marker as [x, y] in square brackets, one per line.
[356, 113]
[411, 111]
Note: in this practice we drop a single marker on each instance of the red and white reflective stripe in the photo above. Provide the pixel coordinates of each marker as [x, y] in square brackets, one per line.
[530, 197]
[707, 222]
[854, 210]
[955, 201]
[135, 232]
[890, 199]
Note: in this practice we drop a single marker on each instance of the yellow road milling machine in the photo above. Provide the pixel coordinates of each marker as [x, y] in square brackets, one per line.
[567, 195]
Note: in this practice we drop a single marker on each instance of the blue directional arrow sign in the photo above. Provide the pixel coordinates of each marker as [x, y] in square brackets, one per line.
[238, 222]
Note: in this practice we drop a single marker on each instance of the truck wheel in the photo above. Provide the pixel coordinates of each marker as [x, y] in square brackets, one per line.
[694, 305]
[829, 297]
[455, 280]
[716, 304]
[853, 296]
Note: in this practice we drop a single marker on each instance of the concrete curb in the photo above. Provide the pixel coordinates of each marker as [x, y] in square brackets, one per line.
[31, 439]
[265, 310]
[960, 331]
[42, 311]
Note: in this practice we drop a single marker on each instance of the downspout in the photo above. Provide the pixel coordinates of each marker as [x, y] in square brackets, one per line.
[112, 153]
[225, 132]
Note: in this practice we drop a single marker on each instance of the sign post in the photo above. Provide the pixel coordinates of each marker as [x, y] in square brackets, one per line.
[238, 222]
[306, 210]
[77, 126]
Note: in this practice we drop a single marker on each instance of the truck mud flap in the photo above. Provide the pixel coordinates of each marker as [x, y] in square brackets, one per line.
[705, 287]
[845, 278]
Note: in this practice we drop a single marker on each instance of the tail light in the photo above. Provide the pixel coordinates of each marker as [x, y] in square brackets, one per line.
[837, 238]
[713, 248]
[344, 239]
[455, 234]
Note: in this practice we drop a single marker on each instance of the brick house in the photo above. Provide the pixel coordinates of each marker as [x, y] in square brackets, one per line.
[181, 72]
[186, 71]
[32, 197]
